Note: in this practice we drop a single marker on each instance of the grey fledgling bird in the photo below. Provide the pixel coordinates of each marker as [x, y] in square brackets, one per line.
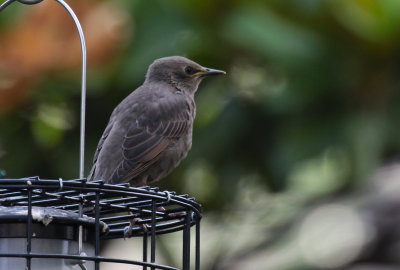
[150, 131]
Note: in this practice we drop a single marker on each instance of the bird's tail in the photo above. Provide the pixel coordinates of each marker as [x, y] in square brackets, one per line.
[91, 173]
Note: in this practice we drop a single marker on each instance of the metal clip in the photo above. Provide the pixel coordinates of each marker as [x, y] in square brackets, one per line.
[168, 194]
[61, 185]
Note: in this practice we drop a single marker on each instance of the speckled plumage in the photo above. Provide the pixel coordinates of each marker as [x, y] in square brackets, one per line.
[150, 131]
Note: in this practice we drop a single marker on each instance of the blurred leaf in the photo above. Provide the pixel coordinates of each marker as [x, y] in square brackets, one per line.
[151, 40]
[49, 124]
[320, 175]
[376, 21]
[366, 134]
[260, 31]
[201, 181]
[47, 136]
[210, 100]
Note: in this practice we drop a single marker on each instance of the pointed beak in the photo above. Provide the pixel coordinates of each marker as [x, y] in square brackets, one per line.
[209, 72]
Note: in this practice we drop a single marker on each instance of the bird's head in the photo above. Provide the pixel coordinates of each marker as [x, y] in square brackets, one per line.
[180, 72]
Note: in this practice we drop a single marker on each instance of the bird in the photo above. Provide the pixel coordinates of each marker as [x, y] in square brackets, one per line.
[150, 131]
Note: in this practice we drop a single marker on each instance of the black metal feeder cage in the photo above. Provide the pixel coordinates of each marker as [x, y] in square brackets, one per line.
[42, 225]
[59, 224]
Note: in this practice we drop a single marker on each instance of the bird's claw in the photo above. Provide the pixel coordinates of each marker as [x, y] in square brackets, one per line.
[132, 222]
[128, 231]
[177, 214]
[172, 215]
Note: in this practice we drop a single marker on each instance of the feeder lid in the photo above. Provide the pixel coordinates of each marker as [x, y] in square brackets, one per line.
[47, 215]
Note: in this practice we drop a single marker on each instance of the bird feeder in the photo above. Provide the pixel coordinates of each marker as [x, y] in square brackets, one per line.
[60, 224]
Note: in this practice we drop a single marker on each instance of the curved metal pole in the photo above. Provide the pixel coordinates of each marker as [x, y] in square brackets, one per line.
[83, 82]
[83, 100]
[83, 110]
[5, 4]
[83, 89]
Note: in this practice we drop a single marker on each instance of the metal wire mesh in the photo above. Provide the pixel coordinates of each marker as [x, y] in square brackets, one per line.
[155, 212]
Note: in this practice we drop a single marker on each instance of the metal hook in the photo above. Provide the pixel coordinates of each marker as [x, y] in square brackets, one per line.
[83, 88]
[83, 82]
[5, 4]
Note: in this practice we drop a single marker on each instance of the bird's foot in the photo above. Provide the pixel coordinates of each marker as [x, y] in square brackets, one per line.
[128, 229]
[132, 222]
[160, 209]
[173, 215]
[177, 214]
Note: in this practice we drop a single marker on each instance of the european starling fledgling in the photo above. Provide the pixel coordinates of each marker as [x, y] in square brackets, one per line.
[150, 131]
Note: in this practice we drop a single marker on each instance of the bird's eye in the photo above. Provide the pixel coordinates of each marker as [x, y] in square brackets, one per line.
[189, 70]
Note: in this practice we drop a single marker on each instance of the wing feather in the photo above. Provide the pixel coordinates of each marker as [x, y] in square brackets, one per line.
[98, 150]
[149, 136]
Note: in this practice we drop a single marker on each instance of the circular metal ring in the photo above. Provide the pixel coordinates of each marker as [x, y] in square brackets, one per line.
[29, 2]
[168, 194]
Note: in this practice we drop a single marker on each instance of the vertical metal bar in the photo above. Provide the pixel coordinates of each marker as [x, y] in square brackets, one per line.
[83, 89]
[80, 236]
[145, 240]
[197, 259]
[97, 230]
[184, 248]
[153, 232]
[80, 231]
[188, 222]
[29, 230]
[83, 112]
[186, 242]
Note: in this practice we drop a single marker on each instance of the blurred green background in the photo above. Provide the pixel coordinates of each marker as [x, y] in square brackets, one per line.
[308, 112]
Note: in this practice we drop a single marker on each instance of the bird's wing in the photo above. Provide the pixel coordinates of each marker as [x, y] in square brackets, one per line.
[98, 150]
[165, 121]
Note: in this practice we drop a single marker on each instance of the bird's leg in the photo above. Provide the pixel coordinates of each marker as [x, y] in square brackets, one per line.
[142, 181]
[173, 215]
[177, 214]
[132, 222]
[160, 208]
[128, 229]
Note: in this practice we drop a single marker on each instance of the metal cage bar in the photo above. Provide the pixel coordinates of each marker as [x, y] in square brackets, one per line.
[145, 240]
[153, 233]
[29, 230]
[197, 252]
[186, 242]
[97, 231]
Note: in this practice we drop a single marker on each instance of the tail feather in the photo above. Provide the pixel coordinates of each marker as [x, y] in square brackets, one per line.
[91, 173]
